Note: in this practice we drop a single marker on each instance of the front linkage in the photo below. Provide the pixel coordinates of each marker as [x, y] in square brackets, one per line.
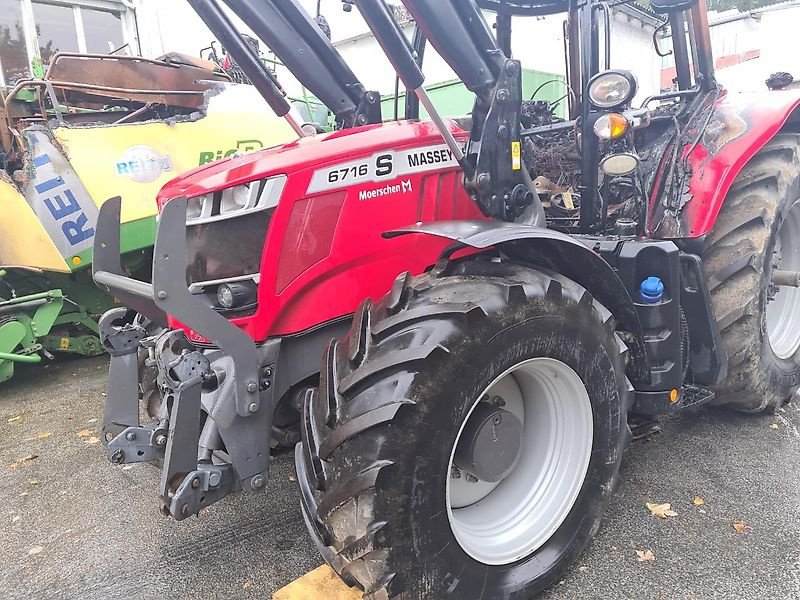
[233, 384]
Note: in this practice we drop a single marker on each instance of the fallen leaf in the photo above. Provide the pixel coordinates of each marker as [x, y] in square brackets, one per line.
[43, 434]
[203, 512]
[698, 501]
[15, 518]
[35, 550]
[24, 494]
[34, 482]
[614, 548]
[645, 555]
[127, 467]
[583, 568]
[741, 527]
[662, 511]
[774, 426]
[92, 420]
[247, 585]
[84, 433]
[92, 440]
[702, 512]
[15, 419]
[292, 478]
[24, 459]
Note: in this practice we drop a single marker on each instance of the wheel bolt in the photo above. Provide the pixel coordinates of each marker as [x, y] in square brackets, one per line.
[196, 482]
[471, 478]
[498, 401]
[455, 472]
[130, 436]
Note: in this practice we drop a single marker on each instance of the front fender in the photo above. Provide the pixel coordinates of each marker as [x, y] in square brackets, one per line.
[561, 253]
[741, 125]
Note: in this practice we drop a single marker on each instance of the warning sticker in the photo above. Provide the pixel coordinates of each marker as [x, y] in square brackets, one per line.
[516, 156]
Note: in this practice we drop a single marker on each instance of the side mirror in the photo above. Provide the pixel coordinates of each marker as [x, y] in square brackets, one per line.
[668, 6]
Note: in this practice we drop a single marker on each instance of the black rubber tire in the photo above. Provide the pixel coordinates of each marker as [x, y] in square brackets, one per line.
[738, 263]
[377, 435]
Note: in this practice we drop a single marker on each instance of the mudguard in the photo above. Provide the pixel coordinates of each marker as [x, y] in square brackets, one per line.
[564, 254]
[740, 125]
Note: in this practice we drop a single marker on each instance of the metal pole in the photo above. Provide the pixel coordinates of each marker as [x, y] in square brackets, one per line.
[680, 50]
[702, 33]
[454, 146]
[23, 358]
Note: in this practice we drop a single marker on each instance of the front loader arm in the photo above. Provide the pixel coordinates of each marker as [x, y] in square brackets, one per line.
[494, 173]
[290, 33]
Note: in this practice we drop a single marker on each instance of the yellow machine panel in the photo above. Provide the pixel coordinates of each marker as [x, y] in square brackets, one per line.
[23, 239]
[135, 160]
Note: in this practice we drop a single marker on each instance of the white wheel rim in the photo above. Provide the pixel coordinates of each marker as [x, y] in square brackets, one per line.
[500, 523]
[783, 303]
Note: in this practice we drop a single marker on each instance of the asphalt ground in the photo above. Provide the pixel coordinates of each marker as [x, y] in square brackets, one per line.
[76, 527]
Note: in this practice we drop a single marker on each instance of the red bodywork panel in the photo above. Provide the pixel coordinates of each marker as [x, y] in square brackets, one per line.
[324, 251]
[741, 125]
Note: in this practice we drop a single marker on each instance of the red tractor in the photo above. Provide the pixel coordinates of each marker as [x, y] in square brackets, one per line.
[506, 293]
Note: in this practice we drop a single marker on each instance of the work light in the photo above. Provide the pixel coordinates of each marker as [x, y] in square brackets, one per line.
[611, 89]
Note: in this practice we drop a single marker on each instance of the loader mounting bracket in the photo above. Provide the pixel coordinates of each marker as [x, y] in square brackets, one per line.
[497, 181]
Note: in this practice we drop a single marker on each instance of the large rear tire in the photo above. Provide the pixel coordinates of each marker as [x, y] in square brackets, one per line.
[381, 491]
[758, 230]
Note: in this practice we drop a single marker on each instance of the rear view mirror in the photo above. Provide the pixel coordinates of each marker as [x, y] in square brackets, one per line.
[668, 6]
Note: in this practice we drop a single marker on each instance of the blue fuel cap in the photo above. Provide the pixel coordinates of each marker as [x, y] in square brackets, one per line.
[651, 290]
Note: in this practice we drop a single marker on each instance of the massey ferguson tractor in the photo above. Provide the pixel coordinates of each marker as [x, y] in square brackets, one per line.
[463, 319]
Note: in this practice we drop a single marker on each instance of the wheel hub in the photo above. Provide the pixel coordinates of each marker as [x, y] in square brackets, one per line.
[491, 443]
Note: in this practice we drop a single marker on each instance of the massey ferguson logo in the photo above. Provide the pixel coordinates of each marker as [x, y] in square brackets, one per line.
[387, 190]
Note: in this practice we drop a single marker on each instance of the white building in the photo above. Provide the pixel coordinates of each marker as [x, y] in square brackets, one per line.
[536, 41]
[749, 46]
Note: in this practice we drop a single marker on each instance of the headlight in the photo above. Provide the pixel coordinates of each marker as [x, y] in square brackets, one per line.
[619, 164]
[236, 294]
[235, 200]
[611, 126]
[612, 88]
[225, 296]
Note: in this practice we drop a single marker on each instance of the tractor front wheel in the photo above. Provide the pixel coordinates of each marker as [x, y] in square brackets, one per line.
[466, 435]
[755, 237]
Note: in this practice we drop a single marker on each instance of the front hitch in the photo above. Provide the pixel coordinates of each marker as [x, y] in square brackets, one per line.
[237, 419]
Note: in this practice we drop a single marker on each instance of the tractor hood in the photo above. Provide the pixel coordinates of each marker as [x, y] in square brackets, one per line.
[316, 151]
